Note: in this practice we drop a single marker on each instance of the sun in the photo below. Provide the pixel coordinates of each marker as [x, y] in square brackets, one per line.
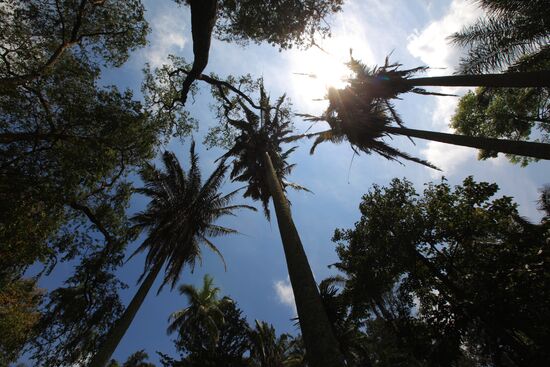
[315, 70]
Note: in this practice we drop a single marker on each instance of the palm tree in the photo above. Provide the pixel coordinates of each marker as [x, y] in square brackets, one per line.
[345, 327]
[363, 114]
[179, 218]
[203, 313]
[514, 33]
[388, 81]
[266, 350]
[260, 161]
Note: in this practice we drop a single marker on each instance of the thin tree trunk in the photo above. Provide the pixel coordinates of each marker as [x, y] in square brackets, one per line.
[523, 148]
[120, 327]
[506, 80]
[322, 348]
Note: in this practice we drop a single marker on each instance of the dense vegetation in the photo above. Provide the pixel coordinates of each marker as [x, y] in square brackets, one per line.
[452, 276]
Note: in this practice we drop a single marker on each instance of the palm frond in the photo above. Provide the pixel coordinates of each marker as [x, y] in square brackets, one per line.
[254, 140]
[361, 112]
[214, 249]
[296, 186]
[180, 214]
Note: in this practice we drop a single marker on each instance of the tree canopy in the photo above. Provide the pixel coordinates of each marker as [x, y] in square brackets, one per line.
[515, 114]
[36, 34]
[468, 267]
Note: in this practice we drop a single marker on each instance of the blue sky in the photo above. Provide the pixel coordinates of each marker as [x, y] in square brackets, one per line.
[256, 278]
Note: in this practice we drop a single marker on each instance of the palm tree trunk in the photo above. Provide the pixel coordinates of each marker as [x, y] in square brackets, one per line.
[506, 80]
[120, 327]
[523, 148]
[322, 348]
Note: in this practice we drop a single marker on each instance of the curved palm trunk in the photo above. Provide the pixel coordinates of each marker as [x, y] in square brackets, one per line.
[120, 327]
[523, 148]
[321, 345]
[510, 80]
[203, 19]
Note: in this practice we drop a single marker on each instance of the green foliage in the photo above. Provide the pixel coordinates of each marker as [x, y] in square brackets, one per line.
[213, 332]
[345, 326]
[66, 147]
[162, 89]
[138, 359]
[454, 265]
[266, 349]
[516, 114]
[76, 318]
[284, 24]
[227, 106]
[36, 34]
[202, 314]
[514, 33]
[19, 314]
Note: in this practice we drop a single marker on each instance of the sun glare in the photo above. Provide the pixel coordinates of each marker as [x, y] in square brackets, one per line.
[316, 70]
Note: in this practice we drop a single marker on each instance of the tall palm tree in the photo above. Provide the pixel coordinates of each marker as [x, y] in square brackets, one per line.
[179, 219]
[203, 311]
[260, 161]
[363, 114]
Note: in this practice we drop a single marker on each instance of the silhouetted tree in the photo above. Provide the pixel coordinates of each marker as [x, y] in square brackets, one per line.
[259, 161]
[211, 331]
[474, 266]
[179, 218]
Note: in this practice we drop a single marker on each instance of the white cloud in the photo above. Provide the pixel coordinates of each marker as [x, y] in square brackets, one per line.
[283, 288]
[168, 30]
[432, 46]
[446, 156]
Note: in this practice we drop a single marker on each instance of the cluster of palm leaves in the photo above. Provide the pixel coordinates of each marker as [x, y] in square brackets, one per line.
[514, 33]
[362, 112]
[259, 134]
[181, 214]
[203, 310]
